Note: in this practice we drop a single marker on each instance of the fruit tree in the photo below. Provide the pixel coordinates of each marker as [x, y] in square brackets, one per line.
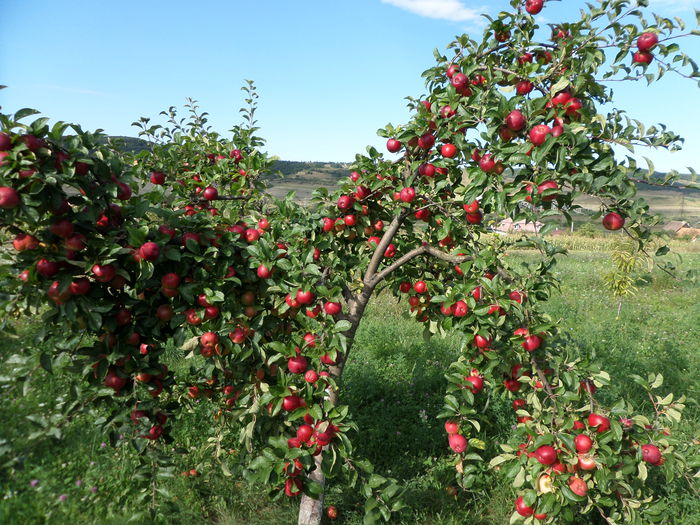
[134, 264]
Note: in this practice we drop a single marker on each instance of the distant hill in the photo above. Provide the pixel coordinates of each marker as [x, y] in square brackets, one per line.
[302, 177]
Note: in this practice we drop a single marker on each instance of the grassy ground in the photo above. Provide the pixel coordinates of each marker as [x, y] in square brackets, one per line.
[394, 384]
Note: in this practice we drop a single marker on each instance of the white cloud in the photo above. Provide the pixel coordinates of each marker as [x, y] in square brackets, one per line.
[453, 10]
[675, 5]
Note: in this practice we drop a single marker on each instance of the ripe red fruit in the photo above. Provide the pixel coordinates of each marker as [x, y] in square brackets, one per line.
[192, 318]
[548, 185]
[517, 296]
[460, 309]
[345, 202]
[601, 422]
[157, 177]
[458, 443]
[310, 376]
[420, 287]
[305, 297]
[149, 251]
[451, 427]
[613, 221]
[426, 141]
[76, 242]
[393, 145]
[290, 485]
[251, 235]
[515, 120]
[482, 342]
[310, 340]
[209, 339]
[331, 512]
[9, 198]
[304, 432]
[62, 228]
[523, 509]
[5, 142]
[123, 191]
[290, 403]
[651, 454]
[524, 87]
[546, 455]
[586, 462]
[533, 7]
[578, 486]
[519, 403]
[448, 150]
[642, 57]
[263, 272]
[477, 383]
[164, 312]
[123, 317]
[332, 308]
[486, 163]
[297, 364]
[104, 272]
[475, 218]
[538, 134]
[647, 41]
[33, 143]
[531, 343]
[80, 286]
[583, 443]
[210, 193]
[113, 380]
[24, 242]
[170, 280]
[407, 194]
[405, 287]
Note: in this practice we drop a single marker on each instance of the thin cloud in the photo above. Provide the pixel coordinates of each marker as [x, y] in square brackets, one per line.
[452, 10]
[75, 91]
[675, 5]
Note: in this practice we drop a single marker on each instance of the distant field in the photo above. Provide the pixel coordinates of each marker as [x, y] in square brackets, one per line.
[673, 203]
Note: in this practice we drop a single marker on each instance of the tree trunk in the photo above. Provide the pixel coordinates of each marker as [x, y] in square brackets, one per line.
[310, 509]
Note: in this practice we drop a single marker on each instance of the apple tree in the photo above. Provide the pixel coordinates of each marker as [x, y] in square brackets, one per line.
[134, 264]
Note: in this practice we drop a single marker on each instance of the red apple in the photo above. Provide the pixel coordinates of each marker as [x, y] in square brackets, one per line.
[297, 364]
[448, 150]
[538, 134]
[578, 486]
[642, 57]
[458, 443]
[601, 422]
[332, 308]
[647, 41]
[393, 145]
[651, 454]
[613, 221]
[451, 427]
[515, 120]
[583, 443]
[210, 193]
[104, 272]
[9, 198]
[157, 177]
[149, 251]
[523, 509]
[546, 455]
[524, 87]
[533, 7]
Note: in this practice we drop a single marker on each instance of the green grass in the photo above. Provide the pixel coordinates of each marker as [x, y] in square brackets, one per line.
[394, 384]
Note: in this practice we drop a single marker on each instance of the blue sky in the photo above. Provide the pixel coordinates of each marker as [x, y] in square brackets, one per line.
[329, 72]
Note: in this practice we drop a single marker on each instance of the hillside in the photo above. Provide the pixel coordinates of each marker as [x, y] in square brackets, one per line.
[302, 177]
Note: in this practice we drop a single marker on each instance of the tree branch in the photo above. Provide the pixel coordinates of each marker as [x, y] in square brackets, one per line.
[425, 249]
